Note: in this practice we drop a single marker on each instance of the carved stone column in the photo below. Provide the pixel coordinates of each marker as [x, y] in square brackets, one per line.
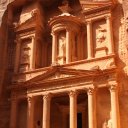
[91, 108]
[54, 47]
[73, 109]
[89, 40]
[32, 55]
[30, 114]
[114, 106]
[68, 48]
[13, 114]
[46, 111]
[18, 46]
[109, 35]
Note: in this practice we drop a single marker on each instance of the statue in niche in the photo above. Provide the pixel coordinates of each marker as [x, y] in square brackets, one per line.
[107, 123]
[62, 45]
[61, 48]
[100, 38]
[25, 54]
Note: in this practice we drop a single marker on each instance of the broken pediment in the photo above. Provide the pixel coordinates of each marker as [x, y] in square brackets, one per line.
[59, 73]
[94, 4]
[26, 25]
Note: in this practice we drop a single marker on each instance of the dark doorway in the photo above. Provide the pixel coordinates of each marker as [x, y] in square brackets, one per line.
[79, 120]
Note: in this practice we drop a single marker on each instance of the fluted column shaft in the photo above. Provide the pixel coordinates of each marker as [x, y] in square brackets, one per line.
[13, 114]
[91, 108]
[109, 35]
[89, 40]
[30, 114]
[46, 111]
[54, 47]
[114, 106]
[73, 109]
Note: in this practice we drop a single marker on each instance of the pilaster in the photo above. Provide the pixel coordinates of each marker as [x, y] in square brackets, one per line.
[109, 35]
[89, 39]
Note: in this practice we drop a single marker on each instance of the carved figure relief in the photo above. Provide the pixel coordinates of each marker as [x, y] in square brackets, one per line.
[25, 55]
[25, 51]
[61, 48]
[107, 124]
[101, 38]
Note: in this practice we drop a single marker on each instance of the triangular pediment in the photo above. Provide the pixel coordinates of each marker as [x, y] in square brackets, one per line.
[59, 73]
[92, 5]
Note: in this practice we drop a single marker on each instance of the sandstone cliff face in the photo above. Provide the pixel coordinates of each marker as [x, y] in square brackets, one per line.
[3, 7]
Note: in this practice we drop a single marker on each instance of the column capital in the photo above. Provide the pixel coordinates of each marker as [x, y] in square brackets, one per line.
[53, 33]
[47, 96]
[107, 17]
[113, 87]
[14, 100]
[30, 98]
[73, 93]
[91, 90]
[88, 22]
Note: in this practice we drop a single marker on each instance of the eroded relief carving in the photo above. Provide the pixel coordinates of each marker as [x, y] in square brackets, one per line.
[107, 124]
[101, 38]
[25, 55]
[26, 16]
[61, 48]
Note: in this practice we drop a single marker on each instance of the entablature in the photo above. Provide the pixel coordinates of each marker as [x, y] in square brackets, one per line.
[79, 80]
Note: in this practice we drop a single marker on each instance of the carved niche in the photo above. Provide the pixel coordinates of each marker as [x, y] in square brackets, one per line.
[61, 48]
[25, 54]
[100, 38]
